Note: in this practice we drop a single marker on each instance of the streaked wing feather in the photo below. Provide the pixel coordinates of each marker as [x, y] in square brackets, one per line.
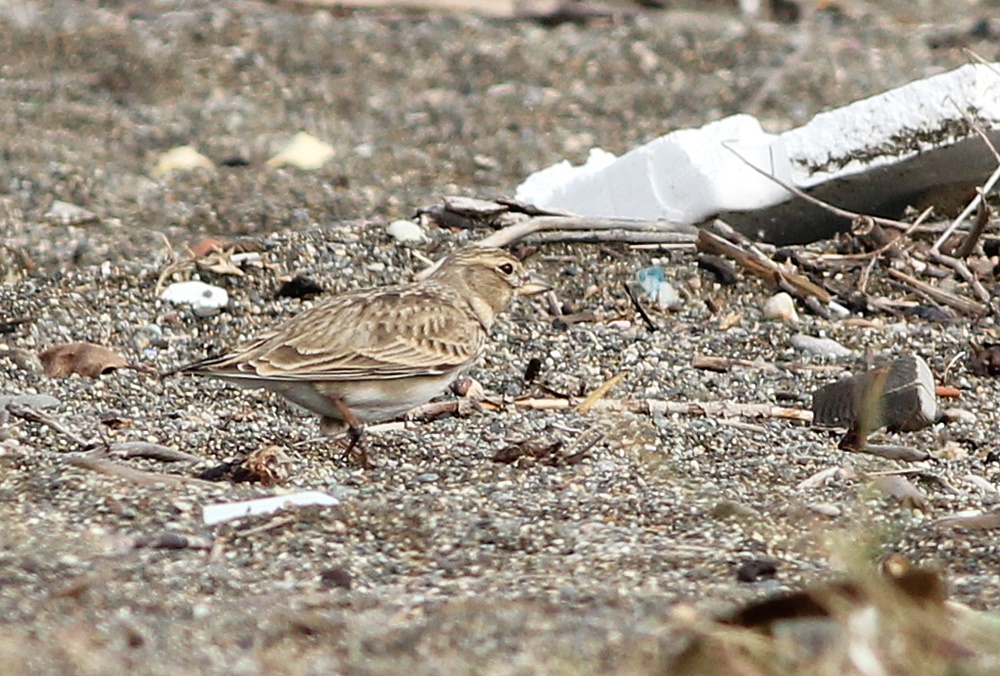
[401, 331]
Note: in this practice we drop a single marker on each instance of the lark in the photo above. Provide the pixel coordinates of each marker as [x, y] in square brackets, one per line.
[371, 355]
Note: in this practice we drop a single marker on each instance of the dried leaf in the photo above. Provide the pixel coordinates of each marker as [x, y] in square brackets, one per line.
[85, 359]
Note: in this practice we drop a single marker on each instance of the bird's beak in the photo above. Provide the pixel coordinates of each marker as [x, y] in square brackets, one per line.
[532, 286]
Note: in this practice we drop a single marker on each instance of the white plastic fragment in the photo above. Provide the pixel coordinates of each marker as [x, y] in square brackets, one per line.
[227, 511]
[181, 158]
[204, 299]
[304, 151]
[871, 155]
[654, 282]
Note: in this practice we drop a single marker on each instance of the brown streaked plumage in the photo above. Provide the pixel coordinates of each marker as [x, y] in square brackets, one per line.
[373, 354]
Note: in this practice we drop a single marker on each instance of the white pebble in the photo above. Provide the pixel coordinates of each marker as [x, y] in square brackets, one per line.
[181, 159]
[304, 151]
[65, 213]
[780, 307]
[406, 232]
[838, 310]
[203, 298]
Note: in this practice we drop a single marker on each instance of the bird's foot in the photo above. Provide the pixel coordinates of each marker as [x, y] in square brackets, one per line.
[354, 435]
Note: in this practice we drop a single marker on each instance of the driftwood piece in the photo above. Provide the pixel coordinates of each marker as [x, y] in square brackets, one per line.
[963, 305]
[521, 227]
[514, 222]
[662, 407]
[760, 266]
[638, 406]
[102, 465]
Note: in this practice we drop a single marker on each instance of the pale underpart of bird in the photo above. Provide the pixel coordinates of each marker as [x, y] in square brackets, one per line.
[371, 355]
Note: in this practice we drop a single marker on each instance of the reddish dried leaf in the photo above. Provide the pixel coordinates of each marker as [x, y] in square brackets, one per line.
[85, 359]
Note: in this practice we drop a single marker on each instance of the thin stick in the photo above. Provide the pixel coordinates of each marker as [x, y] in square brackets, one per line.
[964, 305]
[102, 465]
[661, 407]
[530, 226]
[798, 192]
[650, 324]
[978, 228]
[969, 208]
[31, 414]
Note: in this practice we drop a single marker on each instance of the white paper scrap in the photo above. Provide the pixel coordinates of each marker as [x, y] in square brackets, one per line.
[227, 511]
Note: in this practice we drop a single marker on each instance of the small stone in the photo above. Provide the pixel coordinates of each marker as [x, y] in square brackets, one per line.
[838, 310]
[825, 509]
[32, 400]
[958, 415]
[64, 213]
[181, 158]
[822, 347]
[406, 232]
[757, 569]
[300, 286]
[304, 151]
[780, 307]
[730, 509]
[204, 299]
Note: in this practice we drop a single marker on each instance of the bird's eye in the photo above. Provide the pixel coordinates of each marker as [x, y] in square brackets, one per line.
[506, 268]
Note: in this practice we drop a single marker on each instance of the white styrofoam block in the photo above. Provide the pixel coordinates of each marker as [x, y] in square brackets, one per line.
[894, 125]
[227, 511]
[538, 187]
[684, 176]
[690, 175]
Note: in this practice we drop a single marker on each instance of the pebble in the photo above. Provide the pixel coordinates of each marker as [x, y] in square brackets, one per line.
[304, 151]
[64, 213]
[406, 232]
[32, 400]
[181, 158]
[825, 509]
[823, 347]
[204, 299]
[838, 310]
[780, 307]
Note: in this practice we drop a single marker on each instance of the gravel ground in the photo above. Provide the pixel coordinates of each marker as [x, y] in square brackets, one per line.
[438, 560]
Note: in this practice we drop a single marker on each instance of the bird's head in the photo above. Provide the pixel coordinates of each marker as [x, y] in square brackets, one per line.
[490, 277]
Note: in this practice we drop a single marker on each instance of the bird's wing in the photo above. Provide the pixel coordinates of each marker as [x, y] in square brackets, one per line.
[394, 333]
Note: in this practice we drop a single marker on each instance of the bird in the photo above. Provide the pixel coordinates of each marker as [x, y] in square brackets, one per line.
[371, 355]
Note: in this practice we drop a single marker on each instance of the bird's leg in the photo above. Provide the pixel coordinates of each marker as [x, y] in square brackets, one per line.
[355, 432]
